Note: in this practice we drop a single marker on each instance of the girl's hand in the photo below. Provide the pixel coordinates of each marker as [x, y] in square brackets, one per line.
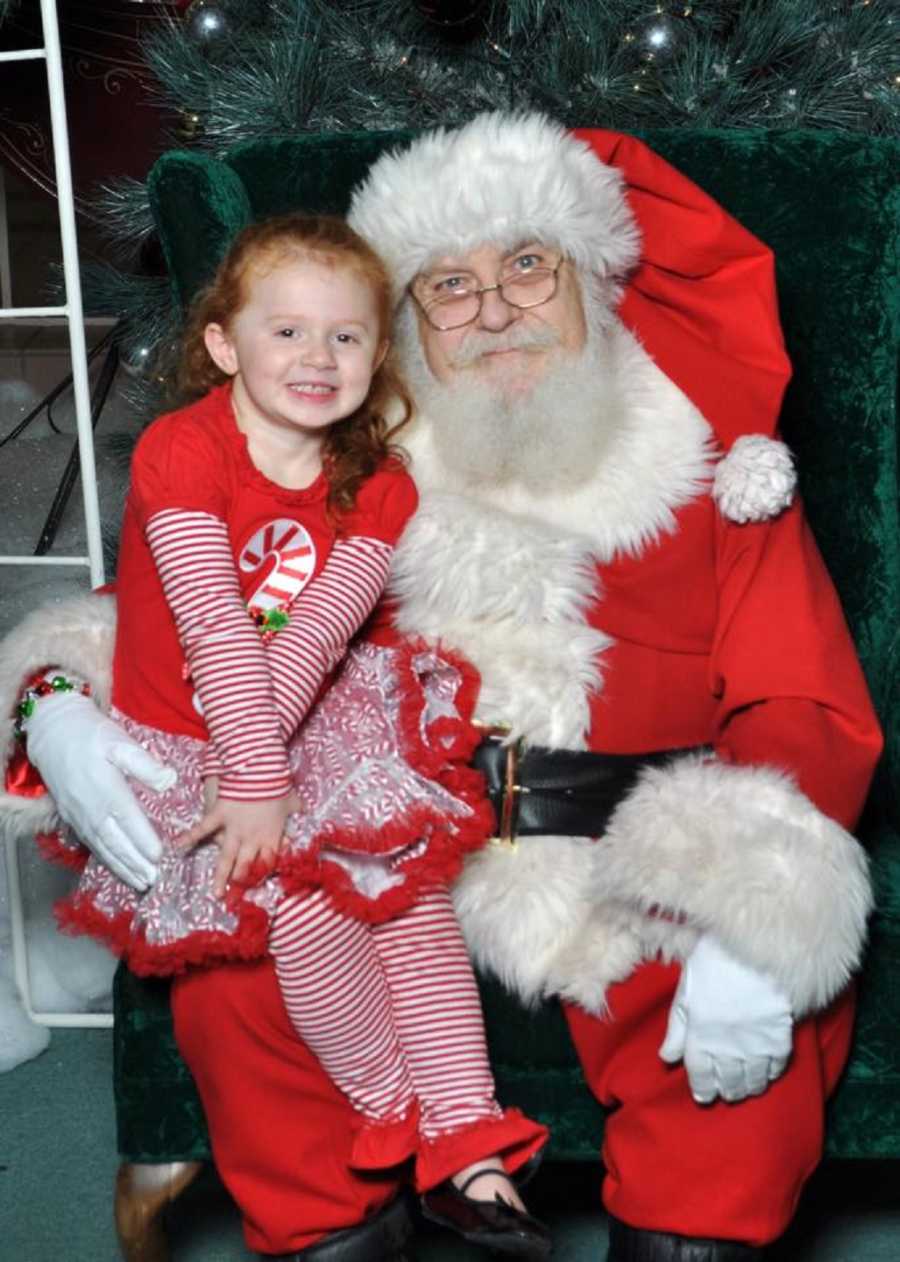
[244, 832]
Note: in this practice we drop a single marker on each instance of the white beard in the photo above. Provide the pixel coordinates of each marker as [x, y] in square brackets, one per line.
[498, 434]
[604, 447]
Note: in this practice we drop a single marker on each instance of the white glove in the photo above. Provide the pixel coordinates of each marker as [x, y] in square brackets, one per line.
[81, 755]
[730, 1024]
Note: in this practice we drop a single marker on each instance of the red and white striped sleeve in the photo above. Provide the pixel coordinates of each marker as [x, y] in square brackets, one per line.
[323, 619]
[225, 654]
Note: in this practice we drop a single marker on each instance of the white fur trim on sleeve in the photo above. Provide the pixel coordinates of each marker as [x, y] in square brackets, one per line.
[78, 635]
[756, 480]
[743, 853]
[527, 917]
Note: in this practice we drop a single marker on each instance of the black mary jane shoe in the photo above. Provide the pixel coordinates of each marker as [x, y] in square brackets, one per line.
[494, 1224]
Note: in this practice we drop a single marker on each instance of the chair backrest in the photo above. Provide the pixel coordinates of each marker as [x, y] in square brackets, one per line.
[829, 206]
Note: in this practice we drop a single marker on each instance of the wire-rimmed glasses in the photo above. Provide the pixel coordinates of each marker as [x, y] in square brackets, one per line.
[451, 298]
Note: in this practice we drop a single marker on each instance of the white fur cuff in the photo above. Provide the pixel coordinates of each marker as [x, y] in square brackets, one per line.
[527, 918]
[755, 481]
[742, 853]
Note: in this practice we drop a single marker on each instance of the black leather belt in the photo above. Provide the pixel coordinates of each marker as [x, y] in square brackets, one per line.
[570, 793]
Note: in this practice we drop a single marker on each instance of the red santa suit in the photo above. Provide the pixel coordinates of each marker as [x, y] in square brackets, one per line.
[669, 598]
[673, 599]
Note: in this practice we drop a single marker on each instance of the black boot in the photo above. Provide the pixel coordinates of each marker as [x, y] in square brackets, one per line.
[630, 1244]
[385, 1237]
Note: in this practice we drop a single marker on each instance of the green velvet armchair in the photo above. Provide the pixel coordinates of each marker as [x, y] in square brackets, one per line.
[829, 206]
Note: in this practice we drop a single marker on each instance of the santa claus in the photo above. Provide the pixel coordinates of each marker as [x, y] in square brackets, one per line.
[677, 733]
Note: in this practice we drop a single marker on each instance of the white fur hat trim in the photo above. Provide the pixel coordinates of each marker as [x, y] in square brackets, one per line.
[502, 179]
[756, 480]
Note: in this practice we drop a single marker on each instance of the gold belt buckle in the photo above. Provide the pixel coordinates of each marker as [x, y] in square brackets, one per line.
[511, 788]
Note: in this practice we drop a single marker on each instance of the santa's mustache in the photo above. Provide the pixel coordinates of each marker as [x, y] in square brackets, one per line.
[480, 343]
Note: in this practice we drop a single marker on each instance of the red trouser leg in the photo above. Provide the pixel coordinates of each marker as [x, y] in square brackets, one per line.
[726, 1171]
[281, 1132]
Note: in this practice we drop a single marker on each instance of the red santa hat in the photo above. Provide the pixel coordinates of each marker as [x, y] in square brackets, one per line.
[698, 288]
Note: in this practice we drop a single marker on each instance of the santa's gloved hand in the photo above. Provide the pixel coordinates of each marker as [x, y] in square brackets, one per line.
[81, 755]
[729, 1023]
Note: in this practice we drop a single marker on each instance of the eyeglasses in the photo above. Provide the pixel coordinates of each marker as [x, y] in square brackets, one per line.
[451, 299]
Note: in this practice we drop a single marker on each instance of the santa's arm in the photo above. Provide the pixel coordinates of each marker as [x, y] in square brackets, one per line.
[84, 757]
[751, 843]
[76, 636]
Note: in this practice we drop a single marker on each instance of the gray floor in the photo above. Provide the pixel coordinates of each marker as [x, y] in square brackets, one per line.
[57, 1162]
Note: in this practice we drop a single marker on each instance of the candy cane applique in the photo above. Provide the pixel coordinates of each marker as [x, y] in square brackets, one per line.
[290, 545]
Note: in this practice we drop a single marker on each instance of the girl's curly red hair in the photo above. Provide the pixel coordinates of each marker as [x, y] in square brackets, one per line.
[357, 445]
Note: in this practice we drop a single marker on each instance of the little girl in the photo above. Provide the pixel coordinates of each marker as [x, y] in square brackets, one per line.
[257, 537]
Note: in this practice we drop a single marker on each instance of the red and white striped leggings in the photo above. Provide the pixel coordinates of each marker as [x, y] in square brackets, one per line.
[391, 1011]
